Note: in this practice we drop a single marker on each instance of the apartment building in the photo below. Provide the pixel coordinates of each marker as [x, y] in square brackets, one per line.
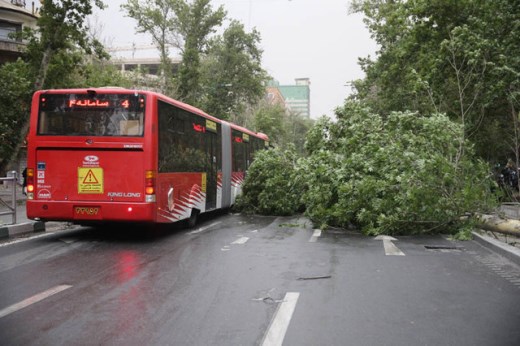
[14, 16]
[296, 97]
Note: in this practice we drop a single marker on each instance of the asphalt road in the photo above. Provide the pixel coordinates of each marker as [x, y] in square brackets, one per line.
[244, 280]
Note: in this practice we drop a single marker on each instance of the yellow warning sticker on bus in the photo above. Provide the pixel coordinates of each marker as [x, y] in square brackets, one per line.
[90, 180]
[211, 125]
[203, 183]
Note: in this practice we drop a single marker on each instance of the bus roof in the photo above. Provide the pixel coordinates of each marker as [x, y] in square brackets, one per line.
[180, 104]
[243, 129]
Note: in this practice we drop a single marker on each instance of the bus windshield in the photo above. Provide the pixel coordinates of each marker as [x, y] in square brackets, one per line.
[91, 115]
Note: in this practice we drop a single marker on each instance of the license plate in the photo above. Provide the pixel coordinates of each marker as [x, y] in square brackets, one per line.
[86, 212]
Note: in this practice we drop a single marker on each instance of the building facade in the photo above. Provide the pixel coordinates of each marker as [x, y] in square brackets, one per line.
[274, 96]
[296, 97]
[14, 16]
[146, 65]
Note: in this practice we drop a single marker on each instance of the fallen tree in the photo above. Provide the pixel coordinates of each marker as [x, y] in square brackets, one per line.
[496, 223]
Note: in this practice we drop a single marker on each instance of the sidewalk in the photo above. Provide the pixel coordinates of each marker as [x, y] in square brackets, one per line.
[23, 225]
[507, 245]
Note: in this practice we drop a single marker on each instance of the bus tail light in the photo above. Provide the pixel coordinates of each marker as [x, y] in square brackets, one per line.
[30, 183]
[149, 186]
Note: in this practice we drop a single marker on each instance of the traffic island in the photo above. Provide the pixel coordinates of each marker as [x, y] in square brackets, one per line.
[8, 231]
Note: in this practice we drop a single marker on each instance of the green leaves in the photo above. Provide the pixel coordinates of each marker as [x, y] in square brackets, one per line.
[232, 73]
[53, 58]
[399, 174]
[273, 184]
[196, 21]
[396, 175]
[460, 58]
[15, 98]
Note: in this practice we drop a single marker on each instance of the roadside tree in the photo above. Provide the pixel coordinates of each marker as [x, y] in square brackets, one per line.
[232, 74]
[158, 19]
[196, 21]
[50, 58]
[460, 58]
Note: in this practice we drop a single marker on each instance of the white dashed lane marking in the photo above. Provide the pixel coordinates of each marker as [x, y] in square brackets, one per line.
[240, 241]
[32, 300]
[390, 248]
[276, 332]
[202, 229]
[315, 236]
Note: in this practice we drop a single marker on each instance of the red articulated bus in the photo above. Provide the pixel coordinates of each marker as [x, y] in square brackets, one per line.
[119, 155]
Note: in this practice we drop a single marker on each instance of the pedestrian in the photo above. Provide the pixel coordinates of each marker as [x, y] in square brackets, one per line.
[24, 181]
[510, 173]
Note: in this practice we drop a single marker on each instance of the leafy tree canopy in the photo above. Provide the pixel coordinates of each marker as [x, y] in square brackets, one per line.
[159, 20]
[458, 57]
[53, 54]
[272, 185]
[398, 174]
[232, 73]
[196, 22]
[271, 119]
[15, 99]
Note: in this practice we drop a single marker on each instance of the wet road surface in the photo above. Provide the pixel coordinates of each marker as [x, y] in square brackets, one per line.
[250, 280]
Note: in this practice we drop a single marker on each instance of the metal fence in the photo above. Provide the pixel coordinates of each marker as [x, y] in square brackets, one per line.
[9, 208]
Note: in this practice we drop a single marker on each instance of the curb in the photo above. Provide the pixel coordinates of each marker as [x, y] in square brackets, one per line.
[21, 229]
[506, 250]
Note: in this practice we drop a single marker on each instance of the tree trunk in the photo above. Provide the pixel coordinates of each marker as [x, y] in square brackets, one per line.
[496, 224]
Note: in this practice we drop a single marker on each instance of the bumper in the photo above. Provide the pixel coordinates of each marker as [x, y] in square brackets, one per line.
[90, 211]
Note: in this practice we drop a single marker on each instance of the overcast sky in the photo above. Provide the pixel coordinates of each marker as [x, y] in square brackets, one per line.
[316, 39]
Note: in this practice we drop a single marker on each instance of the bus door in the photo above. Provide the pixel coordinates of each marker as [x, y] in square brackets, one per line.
[211, 174]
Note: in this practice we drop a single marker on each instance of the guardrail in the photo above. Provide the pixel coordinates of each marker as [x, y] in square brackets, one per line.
[11, 179]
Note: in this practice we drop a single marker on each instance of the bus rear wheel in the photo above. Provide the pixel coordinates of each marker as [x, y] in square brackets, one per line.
[192, 221]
